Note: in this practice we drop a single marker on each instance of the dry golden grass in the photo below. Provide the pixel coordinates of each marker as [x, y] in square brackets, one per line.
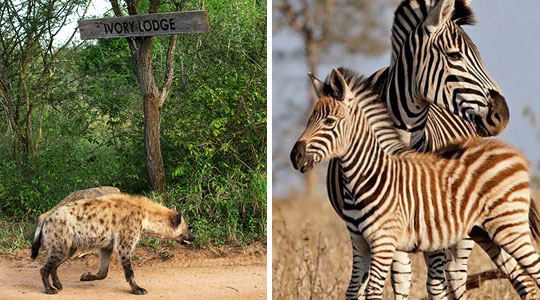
[311, 257]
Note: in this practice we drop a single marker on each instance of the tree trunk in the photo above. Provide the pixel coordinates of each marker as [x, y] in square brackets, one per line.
[152, 117]
[152, 147]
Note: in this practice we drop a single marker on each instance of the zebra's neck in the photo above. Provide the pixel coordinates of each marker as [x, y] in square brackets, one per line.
[372, 140]
[408, 110]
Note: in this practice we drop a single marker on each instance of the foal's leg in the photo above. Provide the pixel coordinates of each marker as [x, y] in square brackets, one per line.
[521, 281]
[400, 274]
[514, 237]
[456, 268]
[360, 266]
[382, 253]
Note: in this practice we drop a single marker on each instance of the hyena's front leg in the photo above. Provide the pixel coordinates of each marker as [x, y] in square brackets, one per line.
[124, 252]
[104, 260]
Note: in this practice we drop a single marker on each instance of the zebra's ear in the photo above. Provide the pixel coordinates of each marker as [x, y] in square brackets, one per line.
[439, 14]
[339, 86]
[317, 84]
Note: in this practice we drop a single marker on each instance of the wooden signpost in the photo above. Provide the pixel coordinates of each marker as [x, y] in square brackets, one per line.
[138, 27]
[145, 25]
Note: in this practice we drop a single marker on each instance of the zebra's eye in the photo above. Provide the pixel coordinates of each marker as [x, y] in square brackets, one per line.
[455, 56]
[329, 121]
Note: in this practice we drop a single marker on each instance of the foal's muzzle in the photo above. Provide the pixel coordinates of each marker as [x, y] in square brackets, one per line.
[300, 159]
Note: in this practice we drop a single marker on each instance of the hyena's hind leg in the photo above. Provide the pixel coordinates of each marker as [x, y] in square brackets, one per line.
[52, 264]
[57, 256]
[54, 275]
[104, 260]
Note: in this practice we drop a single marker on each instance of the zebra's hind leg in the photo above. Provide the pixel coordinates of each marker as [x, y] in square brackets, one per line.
[401, 273]
[457, 257]
[360, 266]
[521, 281]
[515, 238]
[382, 253]
[436, 281]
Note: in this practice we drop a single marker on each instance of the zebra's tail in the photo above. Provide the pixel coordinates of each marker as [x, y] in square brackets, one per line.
[534, 220]
[36, 243]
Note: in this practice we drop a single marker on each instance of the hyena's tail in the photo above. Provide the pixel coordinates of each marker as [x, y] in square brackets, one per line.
[534, 220]
[36, 243]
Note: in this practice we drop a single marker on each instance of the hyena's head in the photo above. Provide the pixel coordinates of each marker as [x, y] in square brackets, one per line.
[180, 230]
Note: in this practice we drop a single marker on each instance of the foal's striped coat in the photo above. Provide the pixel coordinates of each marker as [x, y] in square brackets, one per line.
[403, 200]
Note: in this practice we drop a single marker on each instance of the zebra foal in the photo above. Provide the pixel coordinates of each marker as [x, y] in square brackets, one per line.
[399, 199]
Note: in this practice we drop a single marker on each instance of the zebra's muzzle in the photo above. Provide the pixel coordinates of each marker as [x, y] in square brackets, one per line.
[497, 117]
[300, 159]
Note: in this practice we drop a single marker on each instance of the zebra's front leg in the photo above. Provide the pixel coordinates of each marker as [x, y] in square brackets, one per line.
[401, 273]
[360, 267]
[436, 281]
[382, 253]
[456, 268]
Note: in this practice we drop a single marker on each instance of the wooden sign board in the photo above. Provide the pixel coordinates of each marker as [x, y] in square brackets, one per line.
[145, 25]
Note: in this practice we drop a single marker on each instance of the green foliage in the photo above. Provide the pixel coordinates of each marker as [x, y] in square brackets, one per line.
[213, 128]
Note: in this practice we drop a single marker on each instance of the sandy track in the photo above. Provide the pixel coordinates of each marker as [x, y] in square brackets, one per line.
[236, 277]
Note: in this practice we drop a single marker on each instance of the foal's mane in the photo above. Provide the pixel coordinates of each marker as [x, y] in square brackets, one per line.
[372, 108]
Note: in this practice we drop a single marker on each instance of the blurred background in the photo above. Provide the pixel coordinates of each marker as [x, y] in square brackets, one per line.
[311, 247]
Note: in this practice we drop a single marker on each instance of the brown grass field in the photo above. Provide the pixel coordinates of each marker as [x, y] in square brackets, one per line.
[311, 256]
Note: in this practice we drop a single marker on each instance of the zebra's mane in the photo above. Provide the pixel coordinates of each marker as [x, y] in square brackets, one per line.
[372, 108]
[411, 13]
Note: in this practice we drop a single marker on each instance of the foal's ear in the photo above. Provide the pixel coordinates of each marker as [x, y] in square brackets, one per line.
[340, 87]
[317, 84]
[439, 15]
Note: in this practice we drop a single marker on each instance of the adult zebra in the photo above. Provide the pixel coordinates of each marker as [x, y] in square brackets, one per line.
[399, 198]
[433, 59]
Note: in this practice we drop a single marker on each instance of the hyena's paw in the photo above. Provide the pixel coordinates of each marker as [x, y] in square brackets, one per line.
[58, 286]
[88, 277]
[139, 291]
[51, 291]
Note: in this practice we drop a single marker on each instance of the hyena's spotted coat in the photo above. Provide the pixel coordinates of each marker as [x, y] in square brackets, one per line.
[75, 196]
[112, 222]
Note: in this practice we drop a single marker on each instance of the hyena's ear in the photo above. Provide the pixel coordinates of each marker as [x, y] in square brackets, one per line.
[317, 84]
[173, 207]
[177, 219]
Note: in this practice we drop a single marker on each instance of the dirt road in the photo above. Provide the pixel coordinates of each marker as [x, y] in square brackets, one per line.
[191, 276]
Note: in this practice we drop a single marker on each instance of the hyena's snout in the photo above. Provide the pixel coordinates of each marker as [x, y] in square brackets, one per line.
[188, 237]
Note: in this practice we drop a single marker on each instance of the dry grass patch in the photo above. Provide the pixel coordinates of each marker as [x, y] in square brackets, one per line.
[312, 257]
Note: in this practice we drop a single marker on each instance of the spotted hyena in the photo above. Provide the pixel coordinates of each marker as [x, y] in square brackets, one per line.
[111, 222]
